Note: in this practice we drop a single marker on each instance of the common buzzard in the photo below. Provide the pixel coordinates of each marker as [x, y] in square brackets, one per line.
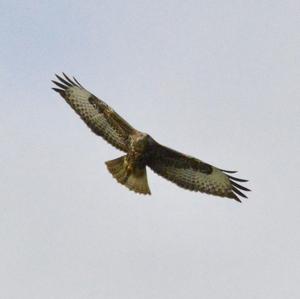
[142, 150]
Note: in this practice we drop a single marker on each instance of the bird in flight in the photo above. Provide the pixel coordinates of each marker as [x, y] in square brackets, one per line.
[142, 150]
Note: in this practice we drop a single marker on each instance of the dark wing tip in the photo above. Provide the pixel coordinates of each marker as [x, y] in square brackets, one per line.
[76, 83]
[60, 84]
[235, 197]
[228, 171]
[239, 186]
[79, 85]
[61, 91]
[236, 189]
[237, 179]
[66, 82]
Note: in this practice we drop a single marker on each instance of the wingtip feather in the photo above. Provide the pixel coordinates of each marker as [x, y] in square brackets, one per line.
[237, 179]
[63, 81]
[237, 191]
[77, 82]
[239, 186]
[59, 84]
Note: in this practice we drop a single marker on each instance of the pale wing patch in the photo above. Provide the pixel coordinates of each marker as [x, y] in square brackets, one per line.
[215, 183]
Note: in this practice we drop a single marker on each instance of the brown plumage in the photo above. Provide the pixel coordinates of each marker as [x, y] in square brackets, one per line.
[142, 150]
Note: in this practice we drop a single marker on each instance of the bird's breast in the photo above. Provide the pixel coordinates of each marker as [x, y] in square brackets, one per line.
[138, 143]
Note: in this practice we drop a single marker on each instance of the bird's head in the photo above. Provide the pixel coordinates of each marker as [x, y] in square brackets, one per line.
[142, 142]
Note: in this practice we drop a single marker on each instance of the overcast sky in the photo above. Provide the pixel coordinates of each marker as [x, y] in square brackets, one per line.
[219, 80]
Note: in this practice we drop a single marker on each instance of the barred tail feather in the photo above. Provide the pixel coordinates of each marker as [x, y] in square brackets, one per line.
[135, 180]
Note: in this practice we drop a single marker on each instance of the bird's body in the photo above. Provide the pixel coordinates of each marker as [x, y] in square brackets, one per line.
[142, 150]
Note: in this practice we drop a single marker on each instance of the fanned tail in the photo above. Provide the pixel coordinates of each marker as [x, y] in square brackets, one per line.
[134, 179]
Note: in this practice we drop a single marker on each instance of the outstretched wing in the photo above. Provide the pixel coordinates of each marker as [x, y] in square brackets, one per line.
[99, 117]
[193, 174]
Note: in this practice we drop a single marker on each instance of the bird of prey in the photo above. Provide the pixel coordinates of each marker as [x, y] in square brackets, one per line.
[142, 150]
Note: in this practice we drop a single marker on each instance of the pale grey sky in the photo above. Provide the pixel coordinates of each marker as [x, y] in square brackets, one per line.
[215, 79]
